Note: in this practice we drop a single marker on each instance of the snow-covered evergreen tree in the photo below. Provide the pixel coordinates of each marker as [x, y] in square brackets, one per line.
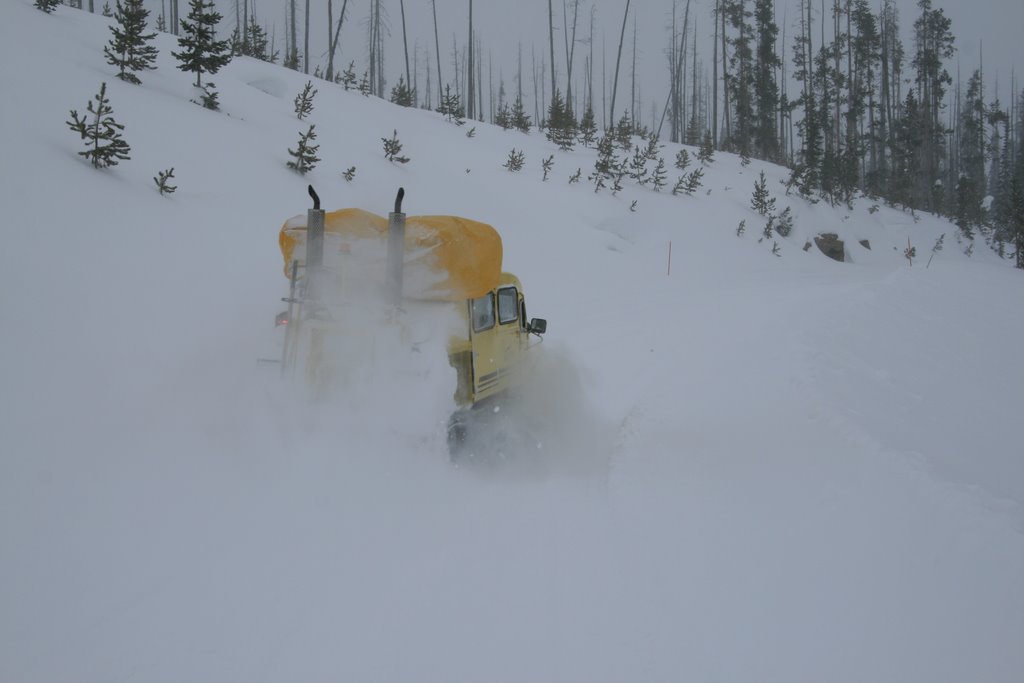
[201, 52]
[129, 48]
[101, 133]
[47, 5]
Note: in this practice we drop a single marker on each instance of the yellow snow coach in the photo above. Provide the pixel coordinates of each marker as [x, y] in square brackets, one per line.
[351, 269]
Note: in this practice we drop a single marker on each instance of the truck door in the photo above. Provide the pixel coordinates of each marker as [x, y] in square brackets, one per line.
[485, 346]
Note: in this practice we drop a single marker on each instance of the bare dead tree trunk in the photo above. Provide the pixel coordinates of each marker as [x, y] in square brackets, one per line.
[437, 46]
[714, 81]
[332, 41]
[570, 50]
[618, 60]
[305, 50]
[405, 46]
[632, 80]
[551, 42]
[470, 71]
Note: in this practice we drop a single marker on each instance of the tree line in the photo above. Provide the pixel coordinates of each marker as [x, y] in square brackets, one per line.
[844, 102]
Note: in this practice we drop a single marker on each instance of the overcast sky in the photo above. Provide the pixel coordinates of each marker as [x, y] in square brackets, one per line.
[502, 24]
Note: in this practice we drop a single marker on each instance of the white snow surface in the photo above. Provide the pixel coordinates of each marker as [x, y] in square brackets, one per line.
[763, 468]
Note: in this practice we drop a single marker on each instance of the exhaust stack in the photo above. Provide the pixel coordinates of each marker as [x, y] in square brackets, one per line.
[314, 245]
[396, 250]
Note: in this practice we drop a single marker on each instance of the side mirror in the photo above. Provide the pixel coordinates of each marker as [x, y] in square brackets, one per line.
[537, 326]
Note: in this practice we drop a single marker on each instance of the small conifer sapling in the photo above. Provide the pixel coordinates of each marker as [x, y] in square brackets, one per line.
[393, 149]
[760, 201]
[658, 177]
[162, 180]
[349, 174]
[547, 164]
[682, 159]
[304, 157]
[101, 133]
[706, 152]
[515, 160]
[304, 101]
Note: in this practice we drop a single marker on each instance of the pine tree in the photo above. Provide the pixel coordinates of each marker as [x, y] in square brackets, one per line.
[365, 87]
[933, 43]
[706, 153]
[606, 163]
[256, 43]
[208, 97]
[304, 101]
[547, 164]
[682, 159]
[970, 185]
[451, 107]
[401, 94]
[47, 6]
[162, 180]
[588, 127]
[689, 183]
[658, 178]
[128, 48]
[520, 121]
[638, 166]
[624, 132]
[561, 123]
[393, 149]
[761, 202]
[348, 77]
[652, 150]
[201, 52]
[101, 133]
[503, 117]
[304, 155]
[349, 174]
[766, 90]
[784, 222]
[515, 160]
[740, 81]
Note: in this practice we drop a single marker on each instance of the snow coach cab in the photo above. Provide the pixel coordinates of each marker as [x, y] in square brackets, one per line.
[355, 275]
[489, 357]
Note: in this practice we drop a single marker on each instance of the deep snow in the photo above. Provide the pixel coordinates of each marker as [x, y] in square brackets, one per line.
[773, 469]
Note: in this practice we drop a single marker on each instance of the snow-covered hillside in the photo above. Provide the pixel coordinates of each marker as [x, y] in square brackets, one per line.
[762, 468]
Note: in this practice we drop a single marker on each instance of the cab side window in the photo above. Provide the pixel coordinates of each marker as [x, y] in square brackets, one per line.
[483, 313]
[508, 309]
